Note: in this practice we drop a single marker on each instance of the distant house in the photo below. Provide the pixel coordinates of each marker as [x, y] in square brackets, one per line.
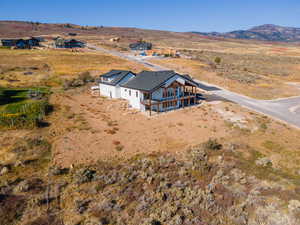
[27, 43]
[114, 39]
[21, 43]
[8, 42]
[73, 43]
[140, 46]
[59, 42]
[72, 34]
[69, 43]
[39, 39]
[157, 91]
[34, 41]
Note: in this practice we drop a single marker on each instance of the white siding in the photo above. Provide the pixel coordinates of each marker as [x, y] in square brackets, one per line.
[134, 97]
[114, 91]
[107, 90]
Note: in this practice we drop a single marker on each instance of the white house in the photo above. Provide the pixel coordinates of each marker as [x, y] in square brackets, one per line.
[110, 82]
[154, 91]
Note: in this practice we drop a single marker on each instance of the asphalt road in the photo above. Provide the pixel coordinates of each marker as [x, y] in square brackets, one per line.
[286, 110]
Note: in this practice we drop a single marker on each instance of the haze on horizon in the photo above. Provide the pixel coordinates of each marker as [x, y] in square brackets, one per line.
[175, 15]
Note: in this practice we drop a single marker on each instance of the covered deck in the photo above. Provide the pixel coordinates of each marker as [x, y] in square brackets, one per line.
[186, 97]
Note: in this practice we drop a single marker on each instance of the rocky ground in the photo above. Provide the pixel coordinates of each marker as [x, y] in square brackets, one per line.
[207, 184]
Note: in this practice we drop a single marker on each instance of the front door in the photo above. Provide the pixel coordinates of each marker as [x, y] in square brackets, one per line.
[110, 94]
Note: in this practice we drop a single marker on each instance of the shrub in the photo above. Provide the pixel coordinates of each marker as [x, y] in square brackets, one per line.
[82, 79]
[46, 67]
[24, 115]
[38, 143]
[263, 126]
[218, 60]
[213, 144]
[86, 77]
[4, 47]
[119, 148]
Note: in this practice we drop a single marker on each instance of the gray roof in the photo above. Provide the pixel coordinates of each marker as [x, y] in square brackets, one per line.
[149, 80]
[188, 77]
[120, 74]
[140, 46]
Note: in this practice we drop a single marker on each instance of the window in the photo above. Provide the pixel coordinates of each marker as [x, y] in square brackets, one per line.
[125, 90]
[169, 92]
[129, 92]
[136, 94]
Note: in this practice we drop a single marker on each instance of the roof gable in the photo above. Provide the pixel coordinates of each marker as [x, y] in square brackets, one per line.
[117, 75]
[141, 46]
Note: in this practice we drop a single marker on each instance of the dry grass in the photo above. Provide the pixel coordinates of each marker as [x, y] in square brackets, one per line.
[50, 67]
[256, 86]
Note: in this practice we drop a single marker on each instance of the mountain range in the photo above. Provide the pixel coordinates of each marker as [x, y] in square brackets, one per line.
[266, 32]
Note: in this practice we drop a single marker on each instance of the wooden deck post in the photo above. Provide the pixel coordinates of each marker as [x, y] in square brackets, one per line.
[183, 95]
[150, 101]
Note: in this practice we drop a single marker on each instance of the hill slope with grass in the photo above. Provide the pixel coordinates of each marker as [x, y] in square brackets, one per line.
[267, 32]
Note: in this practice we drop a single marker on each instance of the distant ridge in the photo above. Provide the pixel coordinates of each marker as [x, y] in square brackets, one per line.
[266, 32]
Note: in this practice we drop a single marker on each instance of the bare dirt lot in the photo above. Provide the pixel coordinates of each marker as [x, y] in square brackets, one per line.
[86, 129]
[107, 128]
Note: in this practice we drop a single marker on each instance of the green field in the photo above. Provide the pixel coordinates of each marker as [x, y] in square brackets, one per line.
[23, 107]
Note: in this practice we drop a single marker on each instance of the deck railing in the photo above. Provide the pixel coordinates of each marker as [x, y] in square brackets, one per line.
[168, 99]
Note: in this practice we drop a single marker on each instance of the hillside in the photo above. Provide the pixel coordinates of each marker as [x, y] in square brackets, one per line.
[19, 29]
[267, 32]
[15, 29]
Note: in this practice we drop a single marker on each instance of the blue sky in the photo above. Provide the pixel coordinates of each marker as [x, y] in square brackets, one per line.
[176, 15]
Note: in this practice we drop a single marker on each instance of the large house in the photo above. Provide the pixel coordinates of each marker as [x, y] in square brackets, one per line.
[140, 46]
[68, 43]
[9, 42]
[158, 91]
[21, 43]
